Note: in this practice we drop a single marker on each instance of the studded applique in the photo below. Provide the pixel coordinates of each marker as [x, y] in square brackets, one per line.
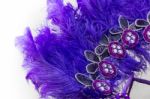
[129, 36]
[145, 24]
[146, 34]
[107, 69]
[102, 86]
[116, 50]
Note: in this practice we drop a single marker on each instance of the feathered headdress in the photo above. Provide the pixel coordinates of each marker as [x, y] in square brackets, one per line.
[95, 52]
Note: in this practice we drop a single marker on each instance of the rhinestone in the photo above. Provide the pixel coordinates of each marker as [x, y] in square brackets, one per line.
[109, 66]
[120, 51]
[133, 37]
[104, 65]
[115, 50]
[132, 41]
[106, 70]
[129, 34]
[104, 84]
[118, 47]
[148, 33]
[98, 84]
[111, 71]
[128, 38]
[102, 88]
[114, 46]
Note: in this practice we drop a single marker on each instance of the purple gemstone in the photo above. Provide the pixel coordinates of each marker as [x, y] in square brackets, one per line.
[130, 38]
[146, 34]
[107, 69]
[102, 86]
[116, 50]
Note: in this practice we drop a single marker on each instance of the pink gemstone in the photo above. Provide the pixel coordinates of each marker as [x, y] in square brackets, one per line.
[107, 69]
[118, 52]
[146, 34]
[130, 38]
[102, 86]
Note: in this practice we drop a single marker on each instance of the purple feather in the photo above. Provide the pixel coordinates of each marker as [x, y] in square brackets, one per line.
[52, 60]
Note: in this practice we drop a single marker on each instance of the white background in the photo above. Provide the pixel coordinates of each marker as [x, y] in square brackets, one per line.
[15, 15]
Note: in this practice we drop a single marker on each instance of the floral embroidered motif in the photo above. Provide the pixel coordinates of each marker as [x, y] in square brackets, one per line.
[146, 34]
[102, 86]
[116, 50]
[145, 24]
[107, 69]
[129, 36]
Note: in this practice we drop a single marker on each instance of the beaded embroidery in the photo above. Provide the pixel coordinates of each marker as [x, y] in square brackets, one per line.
[115, 45]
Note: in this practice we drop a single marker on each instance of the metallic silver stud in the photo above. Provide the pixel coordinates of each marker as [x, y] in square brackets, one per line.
[120, 51]
[132, 41]
[118, 47]
[102, 88]
[128, 38]
[129, 34]
[114, 46]
[111, 71]
[148, 34]
[133, 37]
[104, 65]
[98, 84]
[115, 50]
[106, 70]
[109, 66]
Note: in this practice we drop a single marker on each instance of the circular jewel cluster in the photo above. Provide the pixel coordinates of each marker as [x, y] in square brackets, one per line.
[111, 45]
[116, 49]
[146, 34]
[146, 25]
[107, 69]
[130, 38]
[102, 86]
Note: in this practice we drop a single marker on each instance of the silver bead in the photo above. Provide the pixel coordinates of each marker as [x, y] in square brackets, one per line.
[118, 47]
[109, 66]
[111, 71]
[104, 65]
[132, 41]
[98, 84]
[113, 45]
[133, 37]
[120, 51]
[129, 33]
[102, 88]
[106, 70]
[115, 50]
[128, 38]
